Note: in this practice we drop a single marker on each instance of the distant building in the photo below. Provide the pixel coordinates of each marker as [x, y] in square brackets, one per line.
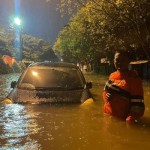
[142, 67]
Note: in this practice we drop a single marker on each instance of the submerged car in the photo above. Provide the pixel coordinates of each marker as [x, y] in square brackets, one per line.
[50, 82]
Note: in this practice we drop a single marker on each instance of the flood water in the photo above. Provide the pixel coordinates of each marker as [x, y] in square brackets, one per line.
[70, 127]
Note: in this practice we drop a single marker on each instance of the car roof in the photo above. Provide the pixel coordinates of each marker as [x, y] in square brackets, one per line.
[53, 64]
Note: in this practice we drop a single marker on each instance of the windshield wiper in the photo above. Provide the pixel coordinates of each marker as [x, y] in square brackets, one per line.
[48, 88]
[58, 88]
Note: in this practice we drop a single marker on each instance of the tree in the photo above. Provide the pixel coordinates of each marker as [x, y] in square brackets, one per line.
[102, 26]
[33, 48]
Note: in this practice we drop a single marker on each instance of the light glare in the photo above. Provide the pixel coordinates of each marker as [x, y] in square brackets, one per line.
[17, 21]
[34, 73]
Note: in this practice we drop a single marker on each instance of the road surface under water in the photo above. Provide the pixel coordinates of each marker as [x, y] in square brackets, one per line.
[69, 127]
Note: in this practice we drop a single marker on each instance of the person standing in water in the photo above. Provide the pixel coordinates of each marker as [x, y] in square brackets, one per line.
[123, 92]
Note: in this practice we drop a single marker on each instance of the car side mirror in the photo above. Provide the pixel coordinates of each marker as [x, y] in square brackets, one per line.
[89, 85]
[13, 84]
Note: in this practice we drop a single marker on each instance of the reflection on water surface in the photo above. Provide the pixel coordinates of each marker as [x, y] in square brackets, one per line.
[15, 124]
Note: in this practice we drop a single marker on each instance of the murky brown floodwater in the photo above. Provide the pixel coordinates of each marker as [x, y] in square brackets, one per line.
[69, 127]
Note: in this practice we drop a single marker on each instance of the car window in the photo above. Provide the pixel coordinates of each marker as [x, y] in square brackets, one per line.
[52, 77]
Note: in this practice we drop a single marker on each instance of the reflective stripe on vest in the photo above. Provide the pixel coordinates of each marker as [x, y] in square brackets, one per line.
[137, 101]
[110, 87]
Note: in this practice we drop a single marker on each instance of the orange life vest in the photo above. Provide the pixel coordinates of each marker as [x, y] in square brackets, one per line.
[127, 95]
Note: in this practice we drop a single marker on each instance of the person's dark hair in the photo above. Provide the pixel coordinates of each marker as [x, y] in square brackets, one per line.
[124, 53]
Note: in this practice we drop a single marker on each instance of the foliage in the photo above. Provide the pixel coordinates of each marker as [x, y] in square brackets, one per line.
[4, 68]
[33, 48]
[68, 6]
[101, 26]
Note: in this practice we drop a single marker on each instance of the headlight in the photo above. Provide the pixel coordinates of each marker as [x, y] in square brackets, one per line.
[88, 102]
[7, 101]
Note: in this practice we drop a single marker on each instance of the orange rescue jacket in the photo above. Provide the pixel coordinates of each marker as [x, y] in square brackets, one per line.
[127, 95]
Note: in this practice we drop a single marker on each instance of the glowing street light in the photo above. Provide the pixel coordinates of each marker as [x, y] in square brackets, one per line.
[17, 23]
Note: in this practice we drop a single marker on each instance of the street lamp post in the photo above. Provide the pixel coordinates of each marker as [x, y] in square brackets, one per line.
[18, 38]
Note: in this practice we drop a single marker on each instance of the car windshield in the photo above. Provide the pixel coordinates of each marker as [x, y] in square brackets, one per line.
[51, 77]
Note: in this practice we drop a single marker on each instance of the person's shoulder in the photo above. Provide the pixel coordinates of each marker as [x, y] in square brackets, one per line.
[114, 75]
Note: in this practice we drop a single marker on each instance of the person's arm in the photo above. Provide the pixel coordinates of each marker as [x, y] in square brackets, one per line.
[106, 94]
[137, 100]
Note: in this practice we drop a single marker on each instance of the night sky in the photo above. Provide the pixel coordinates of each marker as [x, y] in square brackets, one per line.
[40, 18]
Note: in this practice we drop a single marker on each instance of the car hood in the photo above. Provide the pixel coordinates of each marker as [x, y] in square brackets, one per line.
[34, 96]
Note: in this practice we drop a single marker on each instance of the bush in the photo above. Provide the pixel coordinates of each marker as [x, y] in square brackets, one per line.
[16, 68]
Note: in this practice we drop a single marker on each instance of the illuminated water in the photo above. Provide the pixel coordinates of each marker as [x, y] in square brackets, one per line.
[70, 127]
